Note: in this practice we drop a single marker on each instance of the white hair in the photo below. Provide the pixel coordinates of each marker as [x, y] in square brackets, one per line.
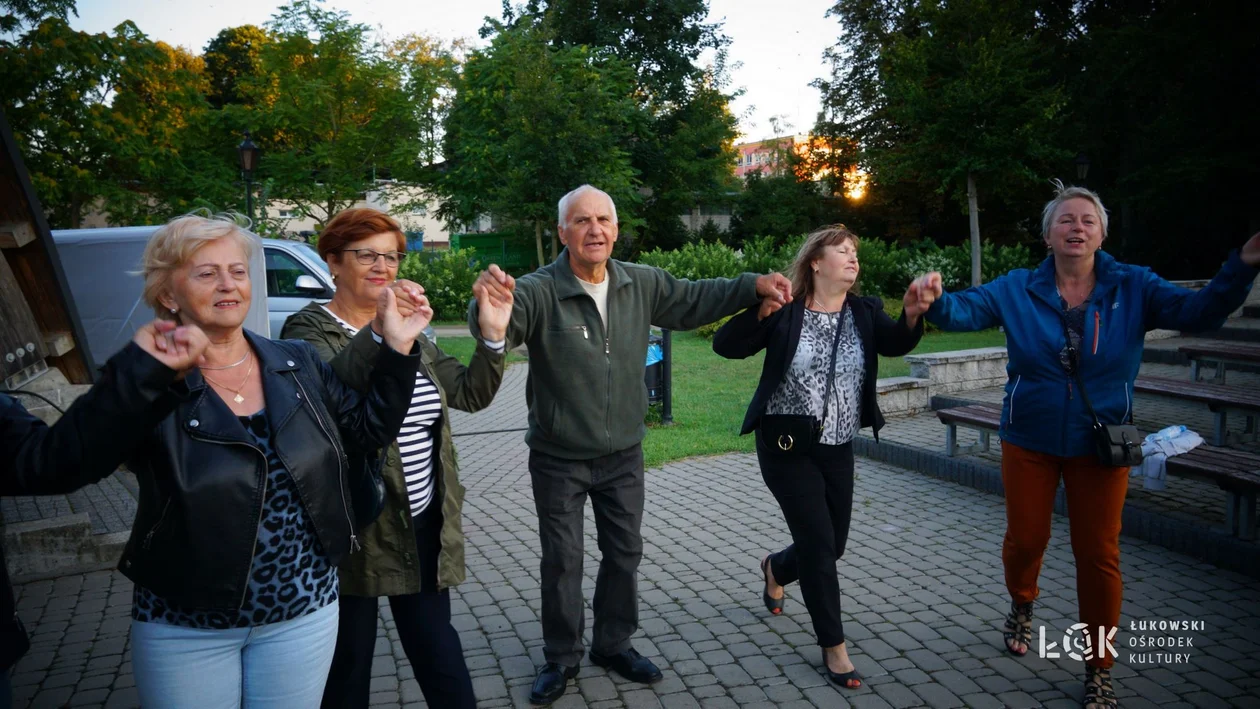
[574, 194]
[1063, 194]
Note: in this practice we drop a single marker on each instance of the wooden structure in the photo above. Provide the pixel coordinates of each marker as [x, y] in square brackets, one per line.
[1220, 354]
[38, 323]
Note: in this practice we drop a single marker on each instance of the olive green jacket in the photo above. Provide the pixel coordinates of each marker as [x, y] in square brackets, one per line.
[585, 388]
[388, 564]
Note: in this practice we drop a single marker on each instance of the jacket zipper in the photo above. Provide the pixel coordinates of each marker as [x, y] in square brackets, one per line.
[1010, 416]
[341, 484]
[1097, 320]
[148, 538]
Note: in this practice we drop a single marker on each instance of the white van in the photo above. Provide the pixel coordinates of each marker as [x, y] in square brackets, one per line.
[99, 265]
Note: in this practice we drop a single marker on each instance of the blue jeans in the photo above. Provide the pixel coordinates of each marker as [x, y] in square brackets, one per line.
[276, 666]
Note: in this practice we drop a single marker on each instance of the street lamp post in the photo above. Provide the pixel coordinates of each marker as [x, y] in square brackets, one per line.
[1082, 167]
[249, 160]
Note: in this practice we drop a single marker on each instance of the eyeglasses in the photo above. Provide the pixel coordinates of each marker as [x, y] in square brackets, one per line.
[367, 257]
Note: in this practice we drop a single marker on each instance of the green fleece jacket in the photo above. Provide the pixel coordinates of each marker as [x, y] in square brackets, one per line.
[388, 564]
[585, 389]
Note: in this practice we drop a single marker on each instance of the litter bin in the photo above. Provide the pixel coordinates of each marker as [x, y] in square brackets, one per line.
[654, 370]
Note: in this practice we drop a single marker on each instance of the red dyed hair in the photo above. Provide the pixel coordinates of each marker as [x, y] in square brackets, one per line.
[355, 224]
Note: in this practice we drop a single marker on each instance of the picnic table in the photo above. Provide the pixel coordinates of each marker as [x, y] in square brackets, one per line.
[1220, 354]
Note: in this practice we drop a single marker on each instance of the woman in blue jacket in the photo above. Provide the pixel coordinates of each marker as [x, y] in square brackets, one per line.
[1106, 308]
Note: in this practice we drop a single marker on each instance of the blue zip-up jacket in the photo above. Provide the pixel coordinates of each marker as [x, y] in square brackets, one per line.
[1043, 410]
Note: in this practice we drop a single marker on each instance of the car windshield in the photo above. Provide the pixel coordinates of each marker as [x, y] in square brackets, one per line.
[314, 255]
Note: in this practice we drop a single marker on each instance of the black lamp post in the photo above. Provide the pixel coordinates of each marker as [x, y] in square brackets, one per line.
[249, 160]
[1082, 167]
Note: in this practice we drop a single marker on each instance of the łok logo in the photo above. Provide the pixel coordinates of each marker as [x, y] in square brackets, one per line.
[1078, 643]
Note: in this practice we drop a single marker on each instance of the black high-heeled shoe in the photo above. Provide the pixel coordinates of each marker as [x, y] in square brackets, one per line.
[774, 605]
[848, 680]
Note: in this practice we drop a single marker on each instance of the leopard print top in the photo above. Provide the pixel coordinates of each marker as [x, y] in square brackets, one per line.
[290, 575]
[805, 384]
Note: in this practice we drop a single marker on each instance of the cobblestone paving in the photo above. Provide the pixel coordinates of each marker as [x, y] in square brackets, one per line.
[922, 587]
[922, 590]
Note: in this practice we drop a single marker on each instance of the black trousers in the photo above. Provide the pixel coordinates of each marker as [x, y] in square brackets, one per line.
[815, 492]
[615, 485]
[424, 626]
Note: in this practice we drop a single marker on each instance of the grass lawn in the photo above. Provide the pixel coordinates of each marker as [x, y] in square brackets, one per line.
[711, 394]
[462, 349]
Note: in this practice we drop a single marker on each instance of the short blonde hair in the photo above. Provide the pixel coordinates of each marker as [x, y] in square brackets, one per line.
[176, 241]
[1063, 194]
[802, 269]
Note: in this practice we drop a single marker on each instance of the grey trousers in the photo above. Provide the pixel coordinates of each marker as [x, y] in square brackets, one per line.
[615, 486]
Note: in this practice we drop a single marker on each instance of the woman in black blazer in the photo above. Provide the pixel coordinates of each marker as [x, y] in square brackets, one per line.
[825, 329]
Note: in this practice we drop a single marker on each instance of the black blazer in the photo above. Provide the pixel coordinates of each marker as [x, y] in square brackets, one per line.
[743, 336]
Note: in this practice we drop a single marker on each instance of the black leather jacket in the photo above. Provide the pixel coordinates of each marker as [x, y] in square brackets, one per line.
[84, 446]
[202, 479]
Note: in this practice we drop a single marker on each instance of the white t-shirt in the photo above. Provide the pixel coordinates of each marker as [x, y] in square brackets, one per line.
[599, 292]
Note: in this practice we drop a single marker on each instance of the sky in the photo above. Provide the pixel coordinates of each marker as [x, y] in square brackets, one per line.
[777, 46]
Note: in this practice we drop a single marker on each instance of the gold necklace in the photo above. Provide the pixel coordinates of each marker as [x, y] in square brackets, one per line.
[228, 366]
[237, 391]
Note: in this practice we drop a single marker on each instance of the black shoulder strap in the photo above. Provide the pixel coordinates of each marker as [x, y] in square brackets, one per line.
[831, 378]
[1075, 358]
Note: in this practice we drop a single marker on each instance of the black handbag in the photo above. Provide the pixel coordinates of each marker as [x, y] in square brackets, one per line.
[367, 487]
[796, 434]
[1117, 445]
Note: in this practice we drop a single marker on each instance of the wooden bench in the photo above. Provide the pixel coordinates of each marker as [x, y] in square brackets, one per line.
[1234, 471]
[1221, 354]
[1219, 399]
[984, 418]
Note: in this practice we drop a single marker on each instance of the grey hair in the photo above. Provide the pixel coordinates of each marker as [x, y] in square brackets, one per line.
[563, 207]
[1063, 194]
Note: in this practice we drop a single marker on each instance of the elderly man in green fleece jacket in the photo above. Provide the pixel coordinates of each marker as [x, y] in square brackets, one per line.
[585, 319]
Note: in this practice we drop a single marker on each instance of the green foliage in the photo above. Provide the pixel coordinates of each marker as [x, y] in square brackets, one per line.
[886, 269]
[332, 111]
[708, 331]
[762, 255]
[529, 123]
[783, 203]
[696, 261]
[684, 131]
[447, 277]
[232, 57]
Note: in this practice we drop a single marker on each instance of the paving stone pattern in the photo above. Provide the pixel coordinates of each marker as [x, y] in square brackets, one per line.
[922, 585]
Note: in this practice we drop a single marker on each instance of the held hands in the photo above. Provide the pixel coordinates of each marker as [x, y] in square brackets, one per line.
[775, 286]
[1250, 251]
[768, 306]
[923, 291]
[494, 307]
[400, 330]
[179, 347]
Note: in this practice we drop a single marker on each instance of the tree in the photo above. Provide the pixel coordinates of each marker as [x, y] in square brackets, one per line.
[331, 110]
[682, 148]
[947, 95]
[531, 121]
[781, 205]
[233, 56]
[57, 84]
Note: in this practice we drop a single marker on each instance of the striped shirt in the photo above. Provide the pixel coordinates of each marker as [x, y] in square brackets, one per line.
[415, 438]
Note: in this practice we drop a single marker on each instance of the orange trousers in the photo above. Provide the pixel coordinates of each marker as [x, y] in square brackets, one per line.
[1095, 499]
